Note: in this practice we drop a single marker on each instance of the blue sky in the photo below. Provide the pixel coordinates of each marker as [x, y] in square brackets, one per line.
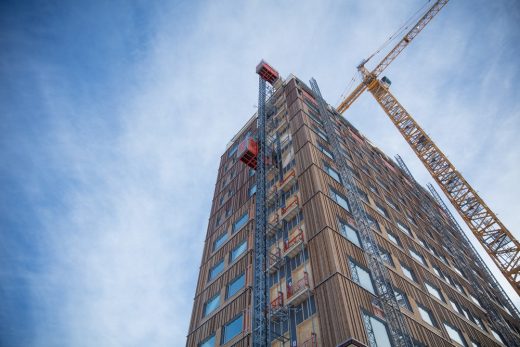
[114, 116]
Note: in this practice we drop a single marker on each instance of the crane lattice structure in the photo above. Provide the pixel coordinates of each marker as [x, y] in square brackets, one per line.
[495, 238]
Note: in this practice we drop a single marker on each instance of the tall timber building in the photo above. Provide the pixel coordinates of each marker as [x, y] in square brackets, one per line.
[321, 286]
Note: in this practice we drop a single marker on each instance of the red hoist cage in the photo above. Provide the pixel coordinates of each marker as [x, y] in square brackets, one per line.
[248, 148]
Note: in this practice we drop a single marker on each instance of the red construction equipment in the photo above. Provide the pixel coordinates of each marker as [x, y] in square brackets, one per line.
[267, 72]
[248, 152]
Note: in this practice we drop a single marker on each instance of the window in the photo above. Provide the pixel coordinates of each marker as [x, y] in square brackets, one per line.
[455, 334]
[377, 331]
[479, 322]
[340, 199]
[232, 329]
[219, 241]
[373, 223]
[362, 195]
[434, 291]
[417, 256]
[404, 228]
[497, 336]
[215, 270]
[408, 272]
[234, 286]
[211, 305]
[402, 299]
[321, 134]
[459, 288]
[252, 190]
[233, 150]
[475, 300]
[455, 306]
[387, 258]
[238, 250]
[361, 276]
[381, 210]
[209, 342]
[251, 172]
[426, 315]
[437, 271]
[350, 233]
[394, 239]
[325, 151]
[241, 222]
[305, 310]
[333, 173]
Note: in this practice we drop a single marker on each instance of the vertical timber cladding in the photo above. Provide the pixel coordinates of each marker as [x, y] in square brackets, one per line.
[339, 299]
[335, 293]
[230, 201]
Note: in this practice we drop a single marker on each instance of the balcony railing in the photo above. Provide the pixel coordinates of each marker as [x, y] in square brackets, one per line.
[296, 291]
[288, 179]
[277, 303]
[290, 246]
[311, 342]
[291, 207]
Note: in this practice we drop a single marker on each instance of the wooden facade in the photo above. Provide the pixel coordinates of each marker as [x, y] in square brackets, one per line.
[334, 304]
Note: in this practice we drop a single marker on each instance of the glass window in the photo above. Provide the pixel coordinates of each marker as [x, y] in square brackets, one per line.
[381, 210]
[333, 173]
[321, 134]
[402, 299]
[241, 222]
[408, 272]
[219, 241]
[209, 342]
[497, 336]
[426, 315]
[373, 223]
[340, 199]
[233, 150]
[434, 291]
[455, 334]
[232, 329]
[455, 306]
[252, 190]
[475, 300]
[361, 276]
[417, 256]
[405, 229]
[215, 270]
[350, 233]
[377, 331]
[238, 250]
[437, 271]
[394, 239]
[235, 285]
[212, 304]
[325, 151]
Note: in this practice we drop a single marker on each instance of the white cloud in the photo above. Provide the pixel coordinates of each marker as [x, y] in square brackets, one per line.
[127, 244]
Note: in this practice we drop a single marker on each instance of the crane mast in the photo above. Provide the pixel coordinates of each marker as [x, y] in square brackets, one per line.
[496, 239]
[390, 57]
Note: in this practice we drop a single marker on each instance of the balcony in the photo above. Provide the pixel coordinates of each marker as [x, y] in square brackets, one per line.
[287, 181]
[275, 260]
[292, 247]
[291, 208]
[277, 303]
[298, 291]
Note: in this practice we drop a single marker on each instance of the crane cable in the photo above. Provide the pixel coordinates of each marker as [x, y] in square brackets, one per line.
[412, 19]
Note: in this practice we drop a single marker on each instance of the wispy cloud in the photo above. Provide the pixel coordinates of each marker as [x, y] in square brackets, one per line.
[116, 121]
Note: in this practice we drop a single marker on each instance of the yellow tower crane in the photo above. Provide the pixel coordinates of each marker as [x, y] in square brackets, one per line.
[494, 237]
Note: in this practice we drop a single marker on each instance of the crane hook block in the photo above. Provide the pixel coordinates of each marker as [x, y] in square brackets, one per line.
[266, 72]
